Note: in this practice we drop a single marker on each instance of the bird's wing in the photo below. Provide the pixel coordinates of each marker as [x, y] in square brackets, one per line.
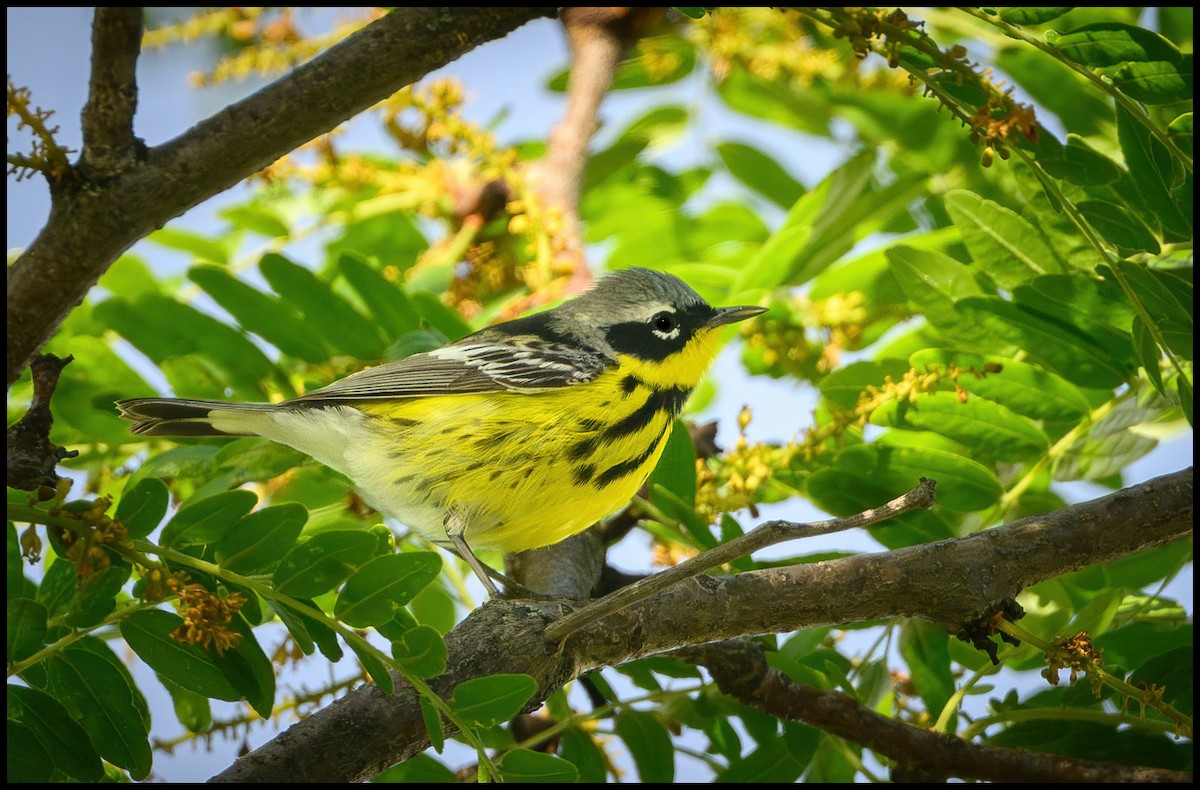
[480, 363]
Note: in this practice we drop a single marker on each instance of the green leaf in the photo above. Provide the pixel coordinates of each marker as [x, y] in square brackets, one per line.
[203, 521]
[375, 591]
[963, 485]
[342, 326]
[309, 632]
[191, 709]
[431, 717]
[1180, 131]
[250, 669]
[388, 304]
[493, 699]
[87, 388]
[1159, 82]
[579, 748]
[421, 769]
[649, 743]
[676, 469]
[934, 283]
[1168, 300]
[256, 219]
[390, 237]
[378, 671]
[27, 760]
[1119, 226]
[926, 650]
[1081, 164]
[980, 424]
[26, 629]
[104, 701]
[320, 563]
[1027, 15]
[265, 316]
[761, 173]
[1095, 741]
[1065, 349]
[843, 386]
[1171, 671]
[1113, 443]
[771, 762]
[674, 59]
[189, 666]
[437, 315]
[1155, 173]
[782, 253]
[421, 651]
[129, 277]
[1002, 244]
[199, 245]
[168, 331]
[526, 765]
[1023, 388]
[777, 101]
[259, 540]
[58, 734]
[142, 507]
[96, 597]
[1111, 43]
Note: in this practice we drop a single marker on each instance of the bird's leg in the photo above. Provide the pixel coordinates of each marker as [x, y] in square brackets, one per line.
[456, 529]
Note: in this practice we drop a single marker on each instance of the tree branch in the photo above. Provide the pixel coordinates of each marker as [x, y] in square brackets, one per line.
[92, 223]
[760, 537]
[597, 37]
[32, 457]
[949, 582]
[107, 121]
[740, 669]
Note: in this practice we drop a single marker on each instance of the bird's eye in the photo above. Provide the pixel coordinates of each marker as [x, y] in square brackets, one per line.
[663, 322]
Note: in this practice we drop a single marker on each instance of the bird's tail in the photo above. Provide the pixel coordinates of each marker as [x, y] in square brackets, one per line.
[177, 417]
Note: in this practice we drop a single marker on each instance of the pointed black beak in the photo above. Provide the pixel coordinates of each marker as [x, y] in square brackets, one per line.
[730, 315]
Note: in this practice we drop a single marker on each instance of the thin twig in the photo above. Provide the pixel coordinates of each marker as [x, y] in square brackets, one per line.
[764, 535]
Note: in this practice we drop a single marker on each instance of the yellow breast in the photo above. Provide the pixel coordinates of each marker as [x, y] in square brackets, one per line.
[523, 469]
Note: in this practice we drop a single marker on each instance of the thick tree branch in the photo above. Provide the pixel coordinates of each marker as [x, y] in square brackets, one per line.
[740, 669]
[108, 142]
[949, 582]
[91, 224]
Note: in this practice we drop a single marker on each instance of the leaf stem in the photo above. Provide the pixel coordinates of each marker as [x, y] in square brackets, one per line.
[1144, 697]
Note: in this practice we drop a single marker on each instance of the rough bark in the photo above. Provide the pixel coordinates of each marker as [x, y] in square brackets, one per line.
[949, 582]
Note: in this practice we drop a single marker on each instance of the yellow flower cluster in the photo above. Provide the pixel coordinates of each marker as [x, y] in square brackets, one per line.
[267, 41]
[206, 617]
[804, 338]
[86, 548]
[732, 481]
[769, 43]
[1077, 654]
[45, 154]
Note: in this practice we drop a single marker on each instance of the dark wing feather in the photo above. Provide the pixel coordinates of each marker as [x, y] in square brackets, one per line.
[485, 362]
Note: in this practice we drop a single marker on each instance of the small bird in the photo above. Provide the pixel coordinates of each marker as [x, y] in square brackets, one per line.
[512, 438]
